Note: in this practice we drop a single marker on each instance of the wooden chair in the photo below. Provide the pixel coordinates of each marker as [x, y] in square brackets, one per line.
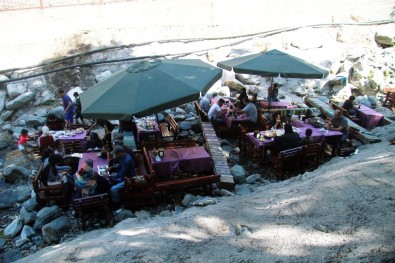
[389, 101]
[169, 129]
[46, 193]
[97, 205]
[312, 156]
[286, 163]
[241, 137]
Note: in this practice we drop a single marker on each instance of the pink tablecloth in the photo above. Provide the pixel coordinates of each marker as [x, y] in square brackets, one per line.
[190, 159]
[96, 160]
[369, 118]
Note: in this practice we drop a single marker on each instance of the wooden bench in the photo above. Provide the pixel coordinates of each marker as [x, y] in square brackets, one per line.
[171, 186]
[389, 101]
[311, 156]
[97, 205]
[287, 163]
[169, 129]
[201, 113]
[46, 193]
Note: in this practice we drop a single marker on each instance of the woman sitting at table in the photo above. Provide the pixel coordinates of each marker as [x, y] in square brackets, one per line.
[239, 100]
[94, 143]
[85, 180]
[289, 140]
[58, 171]
[276, 121]
[348, 105]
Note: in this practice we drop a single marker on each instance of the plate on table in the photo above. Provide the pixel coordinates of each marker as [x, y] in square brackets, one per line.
[268, 135]
[79, 130]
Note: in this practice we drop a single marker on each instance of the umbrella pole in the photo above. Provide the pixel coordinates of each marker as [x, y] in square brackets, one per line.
[270, 101]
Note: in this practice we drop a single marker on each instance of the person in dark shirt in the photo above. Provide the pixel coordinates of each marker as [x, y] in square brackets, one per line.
[124, 168]
[54, 123]
[307, 140]
[108, 128]
[78, 108]
[289, 140]
[273, 93]
[348, 105]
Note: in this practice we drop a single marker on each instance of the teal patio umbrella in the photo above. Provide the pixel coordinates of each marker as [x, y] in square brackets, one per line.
[274, 63]
[148, 87]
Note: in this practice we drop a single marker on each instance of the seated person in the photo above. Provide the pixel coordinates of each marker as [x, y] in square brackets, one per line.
[239, 99]
[124, 168]
[59, 148]
[338, 123]
[216, 112]
[108, 128]
[289, 140]
[54, 123]
[46, 139]
[273, 93]
[277, 123]
[85, 180]
[307, 140]
[46, 153]
[58, 172]
[348, 105]
[204, 104]
[249, 109]
[94, 143]
[254, 100]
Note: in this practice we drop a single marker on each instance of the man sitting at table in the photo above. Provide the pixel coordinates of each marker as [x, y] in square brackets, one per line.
[338, 123]
[289, 140]
[124, 168]
[348, 105]
[216, 111]
[249, 109]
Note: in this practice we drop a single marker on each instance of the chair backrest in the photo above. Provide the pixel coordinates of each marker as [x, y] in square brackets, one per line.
[389, 99]
[312, 150]
[263, 123]
[290, 153]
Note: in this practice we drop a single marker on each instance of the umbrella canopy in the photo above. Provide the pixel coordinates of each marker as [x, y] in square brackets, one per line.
[148, 87]
[275, 63]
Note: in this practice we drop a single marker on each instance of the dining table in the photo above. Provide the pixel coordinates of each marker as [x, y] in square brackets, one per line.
[178, 160]
[97, 160]
[276, 104]
[319, 135]
[147, 128]
[369, 118]
[69, 136]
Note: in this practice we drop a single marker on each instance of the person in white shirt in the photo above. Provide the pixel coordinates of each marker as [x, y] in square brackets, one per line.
[216, 111]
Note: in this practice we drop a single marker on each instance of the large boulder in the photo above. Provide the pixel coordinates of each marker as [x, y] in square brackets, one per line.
[27, 217]
[56, 229]
[46, 215]
[58, 111]
[31, 204]
[24, 193]
[12, 173]
[20, 101]
[32, 121]
[8, 198]
[16, 89]
[13, 229]
[27, 232]
[238, 173]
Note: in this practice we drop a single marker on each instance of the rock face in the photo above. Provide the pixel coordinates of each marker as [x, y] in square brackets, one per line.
[55, 230]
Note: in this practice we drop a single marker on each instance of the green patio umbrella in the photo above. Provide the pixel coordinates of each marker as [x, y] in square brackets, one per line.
[274, 63]
[148, 87]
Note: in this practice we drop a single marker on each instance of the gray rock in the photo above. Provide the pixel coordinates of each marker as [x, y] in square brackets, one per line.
[11, 256]
[21, 241]
[102, 76]
[6, 114]
[2, 99]
[373, 101]
[27, 232]
[224, 192]
[178, 209]
[33, 121]
[242, 230]
[204, 201]
[2, 243]
[27, 217]
[122, 215]
[226, 148]
[165, 213]
[16, 89]
[142, 214]
[238, 174]
[31, 204]
[46, 98]
[42, 112]
[363, 100]
[46, 215]
[3, 145]
[20, 101]
[242, 190]
[24, 193]
[3, 77]
[13, 229]
[385, 38]
[187, 199]
[180, 111]
[56, 229]
[179, 117]
[58, 111]
[161, 117]
[185, 125]
[13, 173]
[253, 178]
[8, 198]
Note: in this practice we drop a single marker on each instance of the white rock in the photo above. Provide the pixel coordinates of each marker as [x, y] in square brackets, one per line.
[16, 89]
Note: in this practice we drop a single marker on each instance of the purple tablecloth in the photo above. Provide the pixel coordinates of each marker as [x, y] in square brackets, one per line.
[77, 137]
[369, 118]
[143, 132]
[191, 159]
[275, 104]
[96, 160]
[229, 120]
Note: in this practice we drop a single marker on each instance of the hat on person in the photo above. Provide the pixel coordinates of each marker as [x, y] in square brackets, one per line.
[89, 162]
[45, 129]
